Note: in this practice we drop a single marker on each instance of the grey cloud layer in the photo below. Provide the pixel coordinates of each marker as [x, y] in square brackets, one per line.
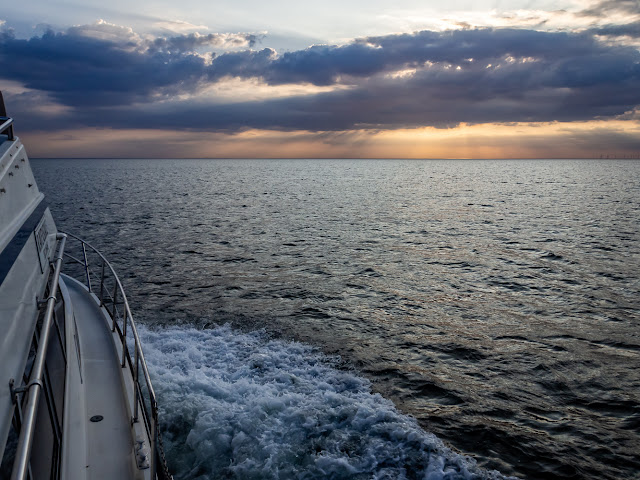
[472, 76]
[628, 30]
[604, 7]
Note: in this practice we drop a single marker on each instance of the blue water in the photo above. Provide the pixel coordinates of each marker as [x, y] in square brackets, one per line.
[378, 318]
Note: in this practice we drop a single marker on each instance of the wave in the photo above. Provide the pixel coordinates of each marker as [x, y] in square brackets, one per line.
[241, 405]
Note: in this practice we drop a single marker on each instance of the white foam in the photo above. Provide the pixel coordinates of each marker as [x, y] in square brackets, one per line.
[240, 405]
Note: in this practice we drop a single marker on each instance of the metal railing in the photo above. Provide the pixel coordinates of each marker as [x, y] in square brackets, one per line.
[7, 122]
[114, 300]
[6, 126]
[34, 387]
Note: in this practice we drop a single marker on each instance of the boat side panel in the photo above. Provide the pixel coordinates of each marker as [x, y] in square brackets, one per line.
[24, 282]
[23, 274]
[19, 193]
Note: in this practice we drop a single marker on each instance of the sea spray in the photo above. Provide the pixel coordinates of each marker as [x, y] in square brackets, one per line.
[241, 405]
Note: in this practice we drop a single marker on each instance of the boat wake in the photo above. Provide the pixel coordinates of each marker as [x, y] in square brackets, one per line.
[241, 405]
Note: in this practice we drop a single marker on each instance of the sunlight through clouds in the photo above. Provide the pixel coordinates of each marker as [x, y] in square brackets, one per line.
[432, 68]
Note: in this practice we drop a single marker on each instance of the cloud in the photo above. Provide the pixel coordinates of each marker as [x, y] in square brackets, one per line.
[109, 76]
[372, 55]
[193, 41]
[627, 30]
[605, 7]
[104, 32]
[105, 64]
[178, 26]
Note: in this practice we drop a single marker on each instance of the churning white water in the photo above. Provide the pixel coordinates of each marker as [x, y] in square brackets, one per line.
[244, 406]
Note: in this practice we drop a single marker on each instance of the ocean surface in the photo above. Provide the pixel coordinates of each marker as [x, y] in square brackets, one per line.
[378, 318]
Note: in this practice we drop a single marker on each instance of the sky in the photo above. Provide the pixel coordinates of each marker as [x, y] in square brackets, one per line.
[331, 79]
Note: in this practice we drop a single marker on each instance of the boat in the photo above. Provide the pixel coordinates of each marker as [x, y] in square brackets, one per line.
[76, 399]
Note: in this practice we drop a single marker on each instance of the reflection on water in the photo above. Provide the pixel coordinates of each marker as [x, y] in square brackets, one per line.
[495, 301]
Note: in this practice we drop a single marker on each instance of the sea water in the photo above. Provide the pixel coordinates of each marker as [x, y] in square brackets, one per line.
[377, 318]
[244, 406]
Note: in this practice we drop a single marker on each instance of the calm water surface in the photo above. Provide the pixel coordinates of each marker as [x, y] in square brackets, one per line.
[497, 302]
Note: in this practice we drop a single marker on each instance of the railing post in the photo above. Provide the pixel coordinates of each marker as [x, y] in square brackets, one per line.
[127, 314]
[86, 266]
[113, 313]
[102, 285]
[153, 439]
[136, 374]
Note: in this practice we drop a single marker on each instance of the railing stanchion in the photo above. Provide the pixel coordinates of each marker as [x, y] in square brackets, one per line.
[86, 266]
[127, 314]
[136, 374]
[113, 313]
[102, 285]
[153, 439]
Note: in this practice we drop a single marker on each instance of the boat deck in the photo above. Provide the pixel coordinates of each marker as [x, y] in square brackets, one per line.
[109, 444]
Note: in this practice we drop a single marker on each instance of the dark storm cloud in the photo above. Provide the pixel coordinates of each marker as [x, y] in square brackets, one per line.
[442, 99]
[322, 65]
[627, 30]
[108, 65]
[395, 81]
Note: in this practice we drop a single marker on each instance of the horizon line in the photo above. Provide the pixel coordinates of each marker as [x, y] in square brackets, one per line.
[336, 158]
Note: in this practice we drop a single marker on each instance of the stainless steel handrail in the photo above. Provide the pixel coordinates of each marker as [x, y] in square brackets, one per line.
[7, 124]
[34, 387]
[151, 421]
